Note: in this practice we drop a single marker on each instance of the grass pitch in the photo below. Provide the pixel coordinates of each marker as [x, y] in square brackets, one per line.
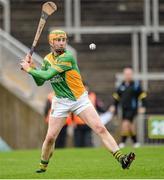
[95, 163]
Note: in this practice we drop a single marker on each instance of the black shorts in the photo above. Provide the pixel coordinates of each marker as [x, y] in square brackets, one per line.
[128, 114]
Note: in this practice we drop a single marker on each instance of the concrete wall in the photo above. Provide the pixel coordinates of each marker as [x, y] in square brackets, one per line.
[20, 126]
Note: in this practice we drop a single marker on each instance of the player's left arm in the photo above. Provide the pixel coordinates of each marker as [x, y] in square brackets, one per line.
[142, 96]
[116, 99]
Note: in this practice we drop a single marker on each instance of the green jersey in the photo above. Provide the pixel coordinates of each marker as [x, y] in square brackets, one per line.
[63, 73]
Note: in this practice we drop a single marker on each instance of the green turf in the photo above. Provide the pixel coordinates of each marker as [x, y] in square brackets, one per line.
[94, 163]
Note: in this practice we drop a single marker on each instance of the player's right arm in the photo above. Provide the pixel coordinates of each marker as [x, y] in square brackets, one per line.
[50, 72]
[28, 59]
[37, 80]
[41, 74]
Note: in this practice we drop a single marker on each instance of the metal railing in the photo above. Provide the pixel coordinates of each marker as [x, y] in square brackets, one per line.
[6, 14]
[73, 26]
[139, 47]
[73, 18]
[139, 50]
[12, 77]
[143, 77]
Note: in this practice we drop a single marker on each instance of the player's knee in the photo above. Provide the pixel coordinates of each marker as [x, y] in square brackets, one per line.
[50, 139]
[100, 129]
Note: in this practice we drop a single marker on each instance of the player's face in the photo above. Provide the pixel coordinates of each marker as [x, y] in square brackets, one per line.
[58, 45]
[128, 74]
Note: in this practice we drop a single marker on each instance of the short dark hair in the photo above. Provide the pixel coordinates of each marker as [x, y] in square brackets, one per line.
[130, 67]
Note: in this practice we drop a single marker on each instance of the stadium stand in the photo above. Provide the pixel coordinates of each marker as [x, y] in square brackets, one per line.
[113, 51]
[105, 61]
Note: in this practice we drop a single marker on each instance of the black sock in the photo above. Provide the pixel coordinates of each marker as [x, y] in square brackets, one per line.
[44, 162]
[123, 139]
[134, 138]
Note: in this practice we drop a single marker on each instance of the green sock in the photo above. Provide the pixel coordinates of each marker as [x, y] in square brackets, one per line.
[118, 155]
[43, 164]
